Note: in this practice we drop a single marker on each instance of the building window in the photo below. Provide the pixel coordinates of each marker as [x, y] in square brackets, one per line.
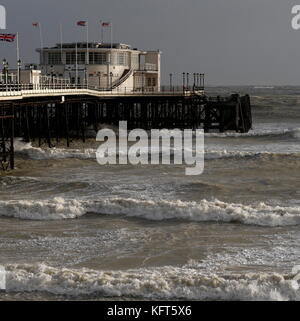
[54, 58]
[135, 61]
[81, 58]
[122, 59]
[98, 58]
[71, 58]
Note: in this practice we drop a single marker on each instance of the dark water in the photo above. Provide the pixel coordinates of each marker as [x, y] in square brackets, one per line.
[71, 228]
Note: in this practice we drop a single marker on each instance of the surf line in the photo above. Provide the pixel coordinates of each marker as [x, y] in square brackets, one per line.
[187, 147]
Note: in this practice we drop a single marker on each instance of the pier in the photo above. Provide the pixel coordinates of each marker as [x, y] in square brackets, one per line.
[47, 115]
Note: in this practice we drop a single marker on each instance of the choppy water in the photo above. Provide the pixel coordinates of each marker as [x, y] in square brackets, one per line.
[70, 228]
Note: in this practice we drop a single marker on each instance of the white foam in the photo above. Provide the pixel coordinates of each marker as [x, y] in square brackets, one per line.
[225, 153]
[203, 211]
[291, 132]
[38, 153]
[160, 283]
[55, 209]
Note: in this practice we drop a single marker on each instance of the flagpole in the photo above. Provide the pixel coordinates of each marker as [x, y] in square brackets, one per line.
[101, 32]
[18, 58]
[111, 35]
[18, 48]
[61, 43]
[42, 43]
[87, 42]
[76, 66]
[87, 53]
[111, 46]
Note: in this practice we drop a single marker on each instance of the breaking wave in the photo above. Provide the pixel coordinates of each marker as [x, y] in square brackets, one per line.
[292, 133]
[204, 211]
[37, 153]
[160, 283]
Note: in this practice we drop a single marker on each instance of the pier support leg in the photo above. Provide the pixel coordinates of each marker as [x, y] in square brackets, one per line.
[7, 137]
[48, 127]
[67, 124]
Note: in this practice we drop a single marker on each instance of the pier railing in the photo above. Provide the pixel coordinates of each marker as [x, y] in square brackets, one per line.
[9, 90]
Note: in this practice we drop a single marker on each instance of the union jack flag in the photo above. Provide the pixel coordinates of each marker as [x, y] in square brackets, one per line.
[105, 24]
[35, 24]
[81, 23]
[7, 37]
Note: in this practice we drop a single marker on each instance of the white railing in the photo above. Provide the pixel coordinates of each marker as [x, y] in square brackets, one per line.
[27, 90]
[150, 67]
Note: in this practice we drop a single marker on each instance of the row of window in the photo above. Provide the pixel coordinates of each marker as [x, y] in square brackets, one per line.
[54, 58]
[141, 82]
[71, 58]
[95, 58]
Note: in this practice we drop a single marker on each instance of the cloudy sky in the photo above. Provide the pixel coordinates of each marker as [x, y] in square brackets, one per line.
[234, 42]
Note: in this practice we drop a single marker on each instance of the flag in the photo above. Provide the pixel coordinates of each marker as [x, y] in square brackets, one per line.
[7, 37]
[81, 23]
[35, 24]
[105, 24]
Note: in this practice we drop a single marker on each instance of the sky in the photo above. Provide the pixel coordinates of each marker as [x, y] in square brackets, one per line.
[234, 42]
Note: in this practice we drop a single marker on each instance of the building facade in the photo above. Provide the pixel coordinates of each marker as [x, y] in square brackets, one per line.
[114, 67]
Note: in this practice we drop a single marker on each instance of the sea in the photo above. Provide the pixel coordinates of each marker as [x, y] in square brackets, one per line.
[71, 229]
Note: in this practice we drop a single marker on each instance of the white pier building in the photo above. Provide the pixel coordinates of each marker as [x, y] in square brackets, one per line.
[114, 67]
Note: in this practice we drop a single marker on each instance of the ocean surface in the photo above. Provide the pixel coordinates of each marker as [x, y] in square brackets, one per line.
[72, 229]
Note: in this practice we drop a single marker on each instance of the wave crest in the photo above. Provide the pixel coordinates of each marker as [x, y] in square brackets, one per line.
[161, 283]
[287, 132]
[204, 211]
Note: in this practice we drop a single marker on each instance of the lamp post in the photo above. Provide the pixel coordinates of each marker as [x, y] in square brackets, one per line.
[203, 77]
[171, 85]
[5, 71]
[187, 80]
[51, 72]
[19, 72]
[99, 75]
[31, 67]
[183, 81]
[111, 76]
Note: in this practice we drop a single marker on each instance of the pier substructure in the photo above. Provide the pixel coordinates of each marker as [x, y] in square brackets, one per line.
[6, 136]
[48, 120]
